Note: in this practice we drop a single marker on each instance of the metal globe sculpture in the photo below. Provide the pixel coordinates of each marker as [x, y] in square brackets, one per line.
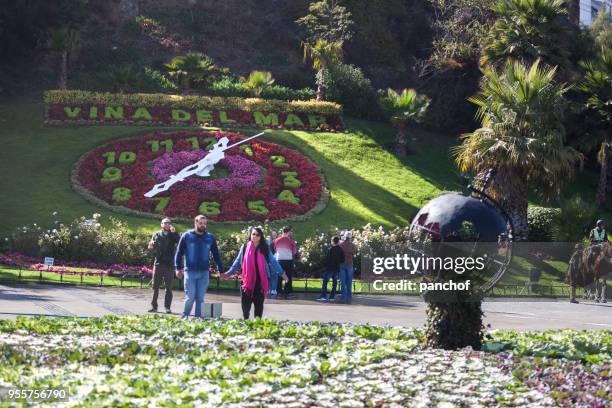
[457, 225]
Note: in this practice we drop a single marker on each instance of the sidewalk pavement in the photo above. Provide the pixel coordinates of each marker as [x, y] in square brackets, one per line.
[84, 301]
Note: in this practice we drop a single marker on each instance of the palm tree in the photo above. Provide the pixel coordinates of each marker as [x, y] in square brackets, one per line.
[257, 82]
[123, 78]
[188, 70]
[529, 30]
[63, 41]
[597, 87]
[404, 109]
[323, 54]
[521, 136]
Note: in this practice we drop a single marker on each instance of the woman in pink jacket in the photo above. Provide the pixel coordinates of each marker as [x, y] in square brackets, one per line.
[258, 265]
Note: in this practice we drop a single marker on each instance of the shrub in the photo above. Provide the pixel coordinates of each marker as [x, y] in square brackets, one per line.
[540, 223]
[25, 240]
[87, 240]
[227, 86]
[83, 240]
[288, 94]
[257, 82]
[231, 86]
[75, 97]
[347, 85]
[153, 80]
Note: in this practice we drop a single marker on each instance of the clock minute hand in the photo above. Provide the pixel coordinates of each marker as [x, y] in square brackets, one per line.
[244, 140]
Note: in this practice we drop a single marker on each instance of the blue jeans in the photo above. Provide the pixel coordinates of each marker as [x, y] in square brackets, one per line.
[334, 276]
[346, 281]
[196, 284]
[273, 284]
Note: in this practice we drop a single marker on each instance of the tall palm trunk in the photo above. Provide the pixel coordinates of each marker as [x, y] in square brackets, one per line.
[320, 92]
[511, 191]
[605, 181]
[63, 77]
[400, 139]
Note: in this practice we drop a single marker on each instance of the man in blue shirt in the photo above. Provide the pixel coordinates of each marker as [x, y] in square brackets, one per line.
[196, 245]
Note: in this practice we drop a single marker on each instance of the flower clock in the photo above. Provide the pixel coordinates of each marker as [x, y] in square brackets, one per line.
[256, 180]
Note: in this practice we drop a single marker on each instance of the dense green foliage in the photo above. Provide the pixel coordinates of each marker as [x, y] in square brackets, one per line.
[575, 220]
[326, 20]
[529, 30]
[347, 85]
[192, 69]
[257, 82]
[540, 221]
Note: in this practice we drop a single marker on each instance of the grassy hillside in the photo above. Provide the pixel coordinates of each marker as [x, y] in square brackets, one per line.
[367, 183]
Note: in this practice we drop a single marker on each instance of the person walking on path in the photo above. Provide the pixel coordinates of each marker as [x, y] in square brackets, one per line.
[333, 259]
[598, 234]
[285, 250]
[163, 243]
[258, 265]
[346, 268]
[196, 245]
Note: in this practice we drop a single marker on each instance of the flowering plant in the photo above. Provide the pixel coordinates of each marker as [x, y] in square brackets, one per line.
[263, 181]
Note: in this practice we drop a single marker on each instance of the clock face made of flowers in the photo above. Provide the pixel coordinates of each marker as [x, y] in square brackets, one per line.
[256, 180]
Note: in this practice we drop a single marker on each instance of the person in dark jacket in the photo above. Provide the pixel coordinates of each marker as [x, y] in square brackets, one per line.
[335, 256]
[164, 244]
[196, 246]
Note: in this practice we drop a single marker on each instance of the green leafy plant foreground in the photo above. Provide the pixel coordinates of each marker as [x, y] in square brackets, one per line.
[158, 360]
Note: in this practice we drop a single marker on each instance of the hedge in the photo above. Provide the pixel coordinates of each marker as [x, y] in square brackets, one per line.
[84, 107]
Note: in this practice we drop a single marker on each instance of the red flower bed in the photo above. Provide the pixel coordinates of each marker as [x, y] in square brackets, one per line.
[120, 173]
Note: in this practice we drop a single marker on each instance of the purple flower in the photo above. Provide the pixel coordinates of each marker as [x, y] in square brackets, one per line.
[243, 173]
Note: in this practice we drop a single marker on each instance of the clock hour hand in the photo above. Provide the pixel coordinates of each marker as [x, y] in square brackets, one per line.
[158, 188]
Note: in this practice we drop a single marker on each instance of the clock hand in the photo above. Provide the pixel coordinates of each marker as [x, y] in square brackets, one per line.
[245, 140]
[201, 168]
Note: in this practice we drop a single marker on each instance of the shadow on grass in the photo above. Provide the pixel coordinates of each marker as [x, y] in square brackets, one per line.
[370, 195]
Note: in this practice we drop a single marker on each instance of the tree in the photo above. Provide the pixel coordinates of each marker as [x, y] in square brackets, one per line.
[459, 27]
[403, 109]
[596, 87]
[123, 78]
[521, 135]
[63, 41]
[257, 82]
[601, 29]
[322, 54]
[191, 69]
[327, 20]
[529, 30]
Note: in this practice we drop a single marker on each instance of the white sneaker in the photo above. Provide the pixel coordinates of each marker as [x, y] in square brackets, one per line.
[331, 300]
[322, 299]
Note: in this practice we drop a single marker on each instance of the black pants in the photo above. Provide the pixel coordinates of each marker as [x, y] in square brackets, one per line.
[165, 273]
[288, 268]
[257, 298]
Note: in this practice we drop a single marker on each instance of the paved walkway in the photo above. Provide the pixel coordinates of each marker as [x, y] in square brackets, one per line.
[394, 310]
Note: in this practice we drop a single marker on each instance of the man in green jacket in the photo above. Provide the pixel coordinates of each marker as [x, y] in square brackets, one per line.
[163, 243]
[598, 234]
